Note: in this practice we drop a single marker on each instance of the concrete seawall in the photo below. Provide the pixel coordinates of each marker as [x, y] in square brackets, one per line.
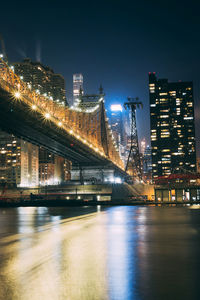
[103, 192]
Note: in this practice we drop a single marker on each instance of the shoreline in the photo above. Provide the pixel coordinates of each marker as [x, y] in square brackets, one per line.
[63, 203]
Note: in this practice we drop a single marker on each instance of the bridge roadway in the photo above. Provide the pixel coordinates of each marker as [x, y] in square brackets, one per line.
[17, 118]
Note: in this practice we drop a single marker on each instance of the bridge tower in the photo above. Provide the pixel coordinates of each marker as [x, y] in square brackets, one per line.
[87, 102]
[133, 162]
[90, 100]
[104, 137]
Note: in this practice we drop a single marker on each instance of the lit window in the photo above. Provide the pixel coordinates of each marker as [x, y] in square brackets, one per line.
[164, 116]
[188, 118]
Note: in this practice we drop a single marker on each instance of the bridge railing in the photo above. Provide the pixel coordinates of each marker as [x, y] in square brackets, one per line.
[82, 125]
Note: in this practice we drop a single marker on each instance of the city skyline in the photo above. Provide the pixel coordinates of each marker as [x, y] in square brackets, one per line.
[149, 37]
[99, 150]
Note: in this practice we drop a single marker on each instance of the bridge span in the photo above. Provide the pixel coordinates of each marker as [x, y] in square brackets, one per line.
[82, 136]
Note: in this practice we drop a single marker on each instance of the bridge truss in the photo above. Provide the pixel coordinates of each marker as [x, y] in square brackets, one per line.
[87, 126]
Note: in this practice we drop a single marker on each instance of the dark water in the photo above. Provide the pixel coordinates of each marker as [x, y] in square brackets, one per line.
[119, 253]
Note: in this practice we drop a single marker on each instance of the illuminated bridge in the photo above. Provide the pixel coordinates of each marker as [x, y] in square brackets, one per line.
[81, 135]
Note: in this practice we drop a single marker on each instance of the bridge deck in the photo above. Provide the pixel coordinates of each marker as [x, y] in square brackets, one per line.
[17, 118]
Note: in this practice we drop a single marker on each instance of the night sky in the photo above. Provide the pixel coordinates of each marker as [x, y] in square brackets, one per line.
[113, 43]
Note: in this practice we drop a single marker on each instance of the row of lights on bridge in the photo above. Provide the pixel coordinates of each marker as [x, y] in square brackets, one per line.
[60, 124]
[17, 95]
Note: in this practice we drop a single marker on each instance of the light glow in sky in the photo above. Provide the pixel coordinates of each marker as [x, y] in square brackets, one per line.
[116, 107]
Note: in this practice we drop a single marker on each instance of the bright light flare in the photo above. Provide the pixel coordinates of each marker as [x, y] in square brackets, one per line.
[59, 124]
[116, 107]
[47, 115]
[118, 180]
[17, 95]
[34, 107]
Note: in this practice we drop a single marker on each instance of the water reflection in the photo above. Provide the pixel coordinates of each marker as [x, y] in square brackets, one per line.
[64, 260]
[94, 253]
[121, 242]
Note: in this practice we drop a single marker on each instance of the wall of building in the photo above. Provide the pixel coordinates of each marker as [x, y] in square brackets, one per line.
[172, 126]
[43, 79]
[18, 161]
[10, 159]
[29, 165]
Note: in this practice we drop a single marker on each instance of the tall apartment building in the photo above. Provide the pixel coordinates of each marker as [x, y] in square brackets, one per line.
[77, 85]
[172, 126]
[18, 161]
[43, 79]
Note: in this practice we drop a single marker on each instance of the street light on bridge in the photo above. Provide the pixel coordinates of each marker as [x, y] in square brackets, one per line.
[47, 115]
[17, 94]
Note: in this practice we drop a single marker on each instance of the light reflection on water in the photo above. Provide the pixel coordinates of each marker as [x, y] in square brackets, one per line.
[121, 241]
[99, 253]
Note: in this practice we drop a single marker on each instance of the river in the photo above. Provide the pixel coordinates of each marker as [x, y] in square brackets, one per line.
[95, 253]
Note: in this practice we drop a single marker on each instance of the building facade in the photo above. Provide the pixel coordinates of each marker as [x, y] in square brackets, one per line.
[77, 87]
[116, 122]
[119, 121]
[147, 164]
[42, 79]
[53, 169]
[172, 126]
[18, 161]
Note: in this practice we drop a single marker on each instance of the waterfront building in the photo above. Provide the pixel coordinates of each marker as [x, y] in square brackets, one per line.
[29, 165]
[18, 161]
[53, 169]
[172, 127]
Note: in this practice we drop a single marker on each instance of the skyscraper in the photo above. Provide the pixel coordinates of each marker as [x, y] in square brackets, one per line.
[77, 85]
[43, 79]
[147, 164]
[119, 122]
[116, 122]
[172, 126]
[142, 146]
